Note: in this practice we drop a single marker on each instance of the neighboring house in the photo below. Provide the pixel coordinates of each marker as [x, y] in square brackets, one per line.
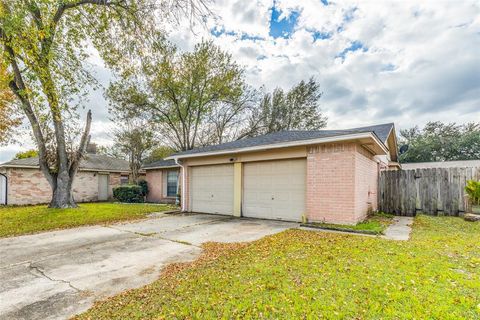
[325, 175]
[442, 164]
[22, 182]
[163, 181]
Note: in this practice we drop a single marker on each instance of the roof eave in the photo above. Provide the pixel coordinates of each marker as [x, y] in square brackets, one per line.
[5, 165]
[306, 142]
[395, 142]
[161, 167]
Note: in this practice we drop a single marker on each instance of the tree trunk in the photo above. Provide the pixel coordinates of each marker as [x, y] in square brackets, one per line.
[62, 196]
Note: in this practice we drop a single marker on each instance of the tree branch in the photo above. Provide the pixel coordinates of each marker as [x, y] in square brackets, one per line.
[82, 148]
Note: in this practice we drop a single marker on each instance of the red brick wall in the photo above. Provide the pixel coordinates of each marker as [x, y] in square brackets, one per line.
[366, 183]
[85, 187]
[331, 183]
[341, 183]
[155, 183]
[29, 186]
[154, 180]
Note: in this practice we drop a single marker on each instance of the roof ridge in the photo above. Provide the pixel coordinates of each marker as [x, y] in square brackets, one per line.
[92, 161]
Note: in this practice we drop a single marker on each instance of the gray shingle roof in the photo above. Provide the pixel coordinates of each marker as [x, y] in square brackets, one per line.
[381, 131]
[91, 162]
[160, 164]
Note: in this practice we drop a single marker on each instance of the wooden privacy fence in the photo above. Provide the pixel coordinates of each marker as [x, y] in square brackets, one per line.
[435, 191]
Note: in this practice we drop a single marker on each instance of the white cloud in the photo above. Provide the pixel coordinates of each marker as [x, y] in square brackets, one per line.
[419, 61]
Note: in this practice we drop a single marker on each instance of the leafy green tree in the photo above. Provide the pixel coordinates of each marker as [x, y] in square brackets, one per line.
[135, 141]
[438, 141]
[9, 118]
[179, 91]
[296, 109]
[43, 44]
[26, 154]
[159, 153]
[133, 134]
[111, 151]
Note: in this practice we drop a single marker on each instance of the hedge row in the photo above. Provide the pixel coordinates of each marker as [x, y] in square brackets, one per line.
[131, 193]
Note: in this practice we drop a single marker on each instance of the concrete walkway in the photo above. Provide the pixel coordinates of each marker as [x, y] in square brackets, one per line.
[55, 275]
[400, 229]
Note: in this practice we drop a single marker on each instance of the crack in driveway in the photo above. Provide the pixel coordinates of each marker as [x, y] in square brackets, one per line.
[105, 260]
[158, 235]
[43, 274]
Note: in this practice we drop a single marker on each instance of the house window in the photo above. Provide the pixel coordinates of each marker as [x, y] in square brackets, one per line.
[172, 177]
[123, 180]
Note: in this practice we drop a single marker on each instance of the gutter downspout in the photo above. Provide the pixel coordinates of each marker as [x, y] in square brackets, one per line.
[183, 207]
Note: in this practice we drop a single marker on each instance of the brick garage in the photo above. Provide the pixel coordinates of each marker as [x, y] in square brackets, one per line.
[26, 184]
[341, 183]
[340, 172]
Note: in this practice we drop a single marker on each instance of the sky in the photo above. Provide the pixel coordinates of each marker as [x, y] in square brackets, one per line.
[407, 62]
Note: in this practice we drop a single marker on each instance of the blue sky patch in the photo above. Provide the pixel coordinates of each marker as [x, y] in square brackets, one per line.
[246, 36]
[217, 31]
[355, 45]
[282, 28]
[319, 35]
[347, 17]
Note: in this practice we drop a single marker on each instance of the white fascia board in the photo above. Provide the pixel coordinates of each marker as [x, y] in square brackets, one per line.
[159, 168]
[80, 169]
[18, 166]
[111, 171]
[345, 137]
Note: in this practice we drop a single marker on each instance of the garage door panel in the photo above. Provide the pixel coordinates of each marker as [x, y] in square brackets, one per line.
[212, 189]
[258, 211]
[275, 189]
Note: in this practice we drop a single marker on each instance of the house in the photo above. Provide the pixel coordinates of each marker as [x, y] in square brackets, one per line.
[324, 175]
[163, 181]
[22, 182]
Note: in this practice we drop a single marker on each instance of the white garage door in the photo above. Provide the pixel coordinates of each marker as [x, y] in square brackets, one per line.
[211, 189]
[275, 189]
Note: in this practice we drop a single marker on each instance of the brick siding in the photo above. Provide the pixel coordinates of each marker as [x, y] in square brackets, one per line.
[155, 185]
[29, 186]
[341, 183]
[366, 183]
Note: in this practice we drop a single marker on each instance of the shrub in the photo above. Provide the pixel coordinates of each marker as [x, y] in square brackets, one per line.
[144, 185]
[129, 194]
[473, 191]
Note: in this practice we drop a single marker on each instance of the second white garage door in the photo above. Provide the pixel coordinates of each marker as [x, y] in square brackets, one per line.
[211, 189]
[275, 189]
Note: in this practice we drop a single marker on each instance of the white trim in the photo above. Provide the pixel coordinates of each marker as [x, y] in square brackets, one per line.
[110, 171]
[80, 169]
[183, 206]
[159, 168]
[392, 129]
[287, 144]
[18, 166]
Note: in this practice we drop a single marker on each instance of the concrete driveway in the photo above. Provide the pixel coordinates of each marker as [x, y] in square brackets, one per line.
[55, 275]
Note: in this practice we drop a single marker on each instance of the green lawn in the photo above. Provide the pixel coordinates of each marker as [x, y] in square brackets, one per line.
[301, 274]
[30, 219]
[375, 224]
